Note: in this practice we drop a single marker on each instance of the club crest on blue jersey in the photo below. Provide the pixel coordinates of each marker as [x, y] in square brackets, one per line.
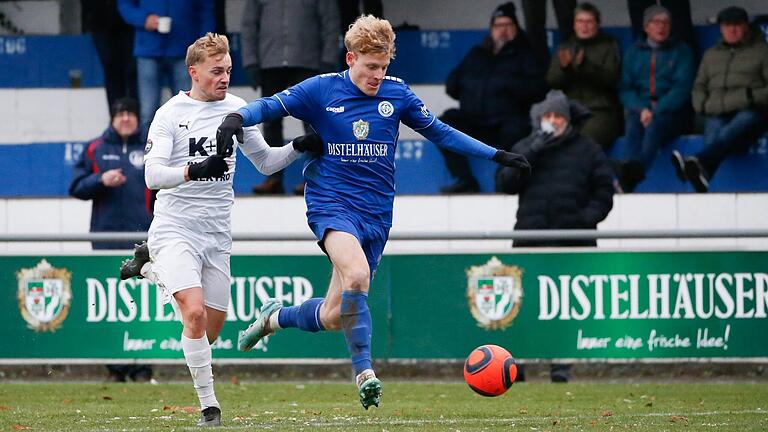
[360, 129]
[386, 109]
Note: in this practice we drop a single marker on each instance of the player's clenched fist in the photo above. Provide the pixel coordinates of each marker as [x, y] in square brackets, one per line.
[231, 125]
[212, 167]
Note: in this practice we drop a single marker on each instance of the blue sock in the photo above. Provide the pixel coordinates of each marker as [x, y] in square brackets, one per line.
[305, 316]
[357, 325]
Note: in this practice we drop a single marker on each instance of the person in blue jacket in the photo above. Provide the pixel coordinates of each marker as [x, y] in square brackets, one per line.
[110, 172]
[350, 187]
[164, 30]
[656, 81]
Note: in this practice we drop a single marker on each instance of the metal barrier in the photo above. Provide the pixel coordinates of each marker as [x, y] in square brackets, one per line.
[405, 236]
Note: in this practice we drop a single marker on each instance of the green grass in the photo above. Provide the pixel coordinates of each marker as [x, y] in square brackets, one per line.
[405, 406]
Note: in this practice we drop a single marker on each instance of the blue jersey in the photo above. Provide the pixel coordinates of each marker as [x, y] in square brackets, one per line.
[356, 171]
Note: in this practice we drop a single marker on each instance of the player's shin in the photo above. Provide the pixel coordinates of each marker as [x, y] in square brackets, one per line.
[198, 355]
[357, 325]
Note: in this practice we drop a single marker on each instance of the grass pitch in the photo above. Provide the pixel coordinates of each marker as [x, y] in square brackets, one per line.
[405, 406]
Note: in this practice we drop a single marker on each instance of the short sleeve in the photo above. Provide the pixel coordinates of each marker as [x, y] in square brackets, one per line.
[415, 114]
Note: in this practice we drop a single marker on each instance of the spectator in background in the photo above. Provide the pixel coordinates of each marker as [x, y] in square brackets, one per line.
[110, 172]
[655, 89]
[571, 185]
[164, 30]
[495, 84]
[679, 13]
[535, 13]
[731, 91]
[113, 39]
[283, 43]
[349, 11]
[587, 68]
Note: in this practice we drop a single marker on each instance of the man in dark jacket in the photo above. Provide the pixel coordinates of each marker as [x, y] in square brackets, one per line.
[283, 43]
[731, 91]
[495, 84]
[571, 185]
[110, 172]
[587, 68]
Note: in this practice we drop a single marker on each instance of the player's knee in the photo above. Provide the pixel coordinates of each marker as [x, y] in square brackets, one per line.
[195, 317]
[357, 280]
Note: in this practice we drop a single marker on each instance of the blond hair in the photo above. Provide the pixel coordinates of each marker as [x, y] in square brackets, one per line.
[370, 35]
[207, 46]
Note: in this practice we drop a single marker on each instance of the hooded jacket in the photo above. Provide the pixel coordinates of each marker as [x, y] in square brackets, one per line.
[570, 186]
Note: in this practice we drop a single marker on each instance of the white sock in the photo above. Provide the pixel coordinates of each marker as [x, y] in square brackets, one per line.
[147, 272]
[274, 325]
[198, 355]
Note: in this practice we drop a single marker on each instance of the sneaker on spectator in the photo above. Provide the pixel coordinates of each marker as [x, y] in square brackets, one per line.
[696, 174]
[679, 164]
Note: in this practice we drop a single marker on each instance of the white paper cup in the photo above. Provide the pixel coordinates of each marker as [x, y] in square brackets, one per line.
[164, 24]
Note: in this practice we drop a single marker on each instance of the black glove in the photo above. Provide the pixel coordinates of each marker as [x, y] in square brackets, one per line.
[512, 160]
[214, 166]
[254, 75]
[310, 142]
[231, 125]
[540, 140]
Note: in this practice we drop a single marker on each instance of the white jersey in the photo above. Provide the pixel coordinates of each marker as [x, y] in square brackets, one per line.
[183, 132]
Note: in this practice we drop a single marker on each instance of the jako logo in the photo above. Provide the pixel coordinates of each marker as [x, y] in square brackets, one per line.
[336, 110]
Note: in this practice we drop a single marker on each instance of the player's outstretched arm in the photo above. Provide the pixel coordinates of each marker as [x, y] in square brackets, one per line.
[459, 142]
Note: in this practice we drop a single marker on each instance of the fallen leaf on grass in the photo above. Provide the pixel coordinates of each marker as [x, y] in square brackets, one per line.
[234, 380]
[649, 404]
[66, 401]
[4, 408]
[20, 427]
[107, 397]
[555, 422]
[607, 413]
[174, 408]
[675, 419]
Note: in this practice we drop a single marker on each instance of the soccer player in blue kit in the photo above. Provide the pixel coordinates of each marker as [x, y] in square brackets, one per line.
[350, 187]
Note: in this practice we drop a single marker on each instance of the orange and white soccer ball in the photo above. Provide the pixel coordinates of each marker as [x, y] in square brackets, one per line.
[490, 370]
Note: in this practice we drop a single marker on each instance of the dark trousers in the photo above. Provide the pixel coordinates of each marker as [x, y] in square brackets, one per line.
[502, 136]
[115, 51]
[535, 13]
[728, 134]
[275, 80]
[643, 143]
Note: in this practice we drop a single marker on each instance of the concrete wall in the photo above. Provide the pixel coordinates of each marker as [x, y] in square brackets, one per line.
[423, 214]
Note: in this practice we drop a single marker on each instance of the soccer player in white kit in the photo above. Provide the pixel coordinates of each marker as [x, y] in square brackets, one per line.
[190, 237]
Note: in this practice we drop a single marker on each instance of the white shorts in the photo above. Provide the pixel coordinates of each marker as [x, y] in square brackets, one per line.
[184, 259]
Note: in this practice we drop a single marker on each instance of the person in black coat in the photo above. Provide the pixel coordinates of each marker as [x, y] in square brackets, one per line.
[495, 84]
[570, 185]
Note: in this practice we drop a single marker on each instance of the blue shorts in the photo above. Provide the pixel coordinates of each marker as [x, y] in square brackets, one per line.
[372, 237]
